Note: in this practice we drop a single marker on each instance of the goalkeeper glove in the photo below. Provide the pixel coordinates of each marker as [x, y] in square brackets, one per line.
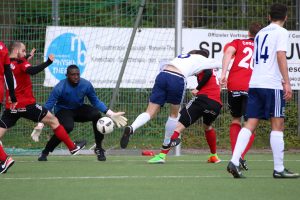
[117, 117]
[37, 132]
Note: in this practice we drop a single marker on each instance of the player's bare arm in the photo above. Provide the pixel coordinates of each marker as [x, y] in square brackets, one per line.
[282, 63]
[229, 52]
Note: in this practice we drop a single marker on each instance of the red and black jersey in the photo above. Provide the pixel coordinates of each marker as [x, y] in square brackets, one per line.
[241, 70]
[211, 88]
[23, 85]
[4, 57]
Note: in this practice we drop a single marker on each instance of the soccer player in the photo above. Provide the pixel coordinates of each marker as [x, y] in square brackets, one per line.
[206, 103]
[269, 88]
[238, 83]
[169, 87]
[6, 71]
[67, 98]
[27, 106]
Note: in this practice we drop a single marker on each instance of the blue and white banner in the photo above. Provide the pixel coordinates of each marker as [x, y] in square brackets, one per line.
[99, 53]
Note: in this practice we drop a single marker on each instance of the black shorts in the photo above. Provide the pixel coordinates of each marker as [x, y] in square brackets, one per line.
[237, 103]
[200, 106]
[33, 112]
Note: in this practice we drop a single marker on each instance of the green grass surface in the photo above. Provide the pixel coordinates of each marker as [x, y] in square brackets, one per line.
[130, 177]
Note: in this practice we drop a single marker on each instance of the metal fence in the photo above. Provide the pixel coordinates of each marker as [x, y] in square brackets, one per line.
[26, 20]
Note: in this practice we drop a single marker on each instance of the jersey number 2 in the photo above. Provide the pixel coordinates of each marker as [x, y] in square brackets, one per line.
[245, 61]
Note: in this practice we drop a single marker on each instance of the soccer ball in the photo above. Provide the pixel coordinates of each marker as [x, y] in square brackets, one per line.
[105, 125]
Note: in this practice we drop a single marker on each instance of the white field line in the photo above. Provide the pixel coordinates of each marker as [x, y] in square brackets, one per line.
[33, 161]
[121, 177]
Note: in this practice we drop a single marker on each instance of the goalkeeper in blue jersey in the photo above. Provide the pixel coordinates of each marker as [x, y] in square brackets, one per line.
[67, 99]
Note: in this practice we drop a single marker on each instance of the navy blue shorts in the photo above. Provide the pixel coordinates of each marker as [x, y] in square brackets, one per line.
[265, 103]
[169, 87]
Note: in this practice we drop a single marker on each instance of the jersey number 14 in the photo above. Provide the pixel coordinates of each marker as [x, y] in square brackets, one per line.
[263, 54]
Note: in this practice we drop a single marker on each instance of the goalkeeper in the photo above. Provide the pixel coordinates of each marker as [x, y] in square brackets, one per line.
[67, 99]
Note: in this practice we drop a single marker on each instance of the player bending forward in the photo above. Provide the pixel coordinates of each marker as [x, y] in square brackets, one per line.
[206, 103]
[169, 87]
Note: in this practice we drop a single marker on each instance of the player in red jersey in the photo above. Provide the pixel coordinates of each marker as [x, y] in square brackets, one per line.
[206, 103]
[238, 82]
[27, 106]
[6, 71]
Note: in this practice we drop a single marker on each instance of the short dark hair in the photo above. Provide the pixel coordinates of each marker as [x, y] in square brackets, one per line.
[278, 12]
[70, 67]
[202, 52]
[254, 28]
[14, 45]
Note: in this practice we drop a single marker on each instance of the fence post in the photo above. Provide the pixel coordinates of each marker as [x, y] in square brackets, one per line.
[298, 28]
[136, 24]
[55, 12]
[178, 44]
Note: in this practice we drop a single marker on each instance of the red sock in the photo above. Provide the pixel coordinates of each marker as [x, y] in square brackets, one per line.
[248, 145]
[62, 135]
[3, 155]
[175, 135]
[211, 139]
[165, 151]
[233, 134]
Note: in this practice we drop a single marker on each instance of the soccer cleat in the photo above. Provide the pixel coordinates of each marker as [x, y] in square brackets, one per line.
[158, 159]
[4, 166]
[43, 157]
[285, 174]
[243, 164]
[100, 154]
[79, 145]
[213, 158]
[235, 170]
[174, 142]
[125, 137]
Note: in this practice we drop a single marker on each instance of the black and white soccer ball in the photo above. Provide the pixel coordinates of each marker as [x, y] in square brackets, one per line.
[105, 125]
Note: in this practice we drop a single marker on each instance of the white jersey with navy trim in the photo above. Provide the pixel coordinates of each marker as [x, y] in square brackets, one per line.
[192, 64]
[267, 43]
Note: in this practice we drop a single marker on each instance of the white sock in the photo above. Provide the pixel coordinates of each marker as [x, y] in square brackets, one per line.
[240, 146]
[169, 129]
[277, 145]
[140, 121]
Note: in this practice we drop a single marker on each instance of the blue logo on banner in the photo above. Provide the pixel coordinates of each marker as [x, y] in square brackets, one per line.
[68, 49]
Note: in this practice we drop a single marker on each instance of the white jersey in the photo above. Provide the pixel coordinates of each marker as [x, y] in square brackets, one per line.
[267, 43]
[192, 64]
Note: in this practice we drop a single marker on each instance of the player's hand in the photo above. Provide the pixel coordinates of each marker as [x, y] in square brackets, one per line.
[12, 104]
[31, 54]
[223, 81]
[194, 92]
[51, 57]
[37, 132]
[117, 117]
[287, 91]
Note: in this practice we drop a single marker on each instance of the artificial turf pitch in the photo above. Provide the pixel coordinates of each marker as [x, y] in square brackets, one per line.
[131, 177]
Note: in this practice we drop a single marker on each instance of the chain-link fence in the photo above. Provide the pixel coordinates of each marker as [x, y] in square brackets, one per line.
[26, 20]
